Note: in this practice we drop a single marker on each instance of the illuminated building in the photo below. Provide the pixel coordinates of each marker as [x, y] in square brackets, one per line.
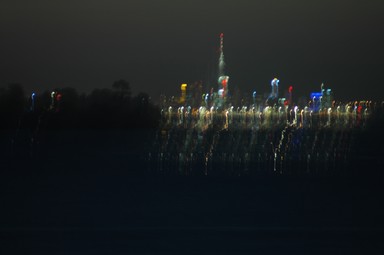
[274, 88]
[290, 89]
[327, 97]
[274, 95]
[33, 96]
[183, 95]
[321, 100]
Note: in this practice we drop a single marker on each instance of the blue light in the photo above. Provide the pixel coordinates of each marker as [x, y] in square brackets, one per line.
[316, 95]
[275, 81]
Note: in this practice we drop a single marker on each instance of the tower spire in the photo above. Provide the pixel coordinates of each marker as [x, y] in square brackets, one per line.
[221, 42]
[222, 79]
[221, 59]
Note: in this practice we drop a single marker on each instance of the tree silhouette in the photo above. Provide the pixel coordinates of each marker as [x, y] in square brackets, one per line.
[71, 100]
[16, 98]
[123, 87]
[12, 104]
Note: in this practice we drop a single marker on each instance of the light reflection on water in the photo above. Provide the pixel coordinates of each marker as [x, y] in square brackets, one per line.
[247, 141]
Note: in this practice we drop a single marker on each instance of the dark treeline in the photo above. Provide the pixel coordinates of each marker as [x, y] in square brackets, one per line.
[66, 108]
[105, 125]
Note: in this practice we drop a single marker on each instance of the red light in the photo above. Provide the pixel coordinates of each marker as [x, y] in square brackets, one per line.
[224, 82]
[221, 35]
[359, 108]
[290, 89]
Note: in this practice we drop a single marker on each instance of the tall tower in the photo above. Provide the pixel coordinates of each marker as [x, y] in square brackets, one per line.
[223, 79]
[221, 59]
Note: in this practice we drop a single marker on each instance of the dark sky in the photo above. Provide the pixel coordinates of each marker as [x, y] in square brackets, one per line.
[156, 45]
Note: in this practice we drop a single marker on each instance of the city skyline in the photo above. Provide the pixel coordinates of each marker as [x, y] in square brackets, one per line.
[159, 46]
[124, 130]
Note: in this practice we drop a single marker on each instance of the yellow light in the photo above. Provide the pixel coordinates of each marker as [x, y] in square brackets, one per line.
[183, 87]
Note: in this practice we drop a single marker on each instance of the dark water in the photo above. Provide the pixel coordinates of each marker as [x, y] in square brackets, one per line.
[99, 192]
[112, 211]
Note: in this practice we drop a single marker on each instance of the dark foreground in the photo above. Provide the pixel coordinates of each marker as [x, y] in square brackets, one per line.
[108, 210]
[98, 192]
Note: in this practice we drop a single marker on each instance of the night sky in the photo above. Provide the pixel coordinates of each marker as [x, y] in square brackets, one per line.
[157, 45]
